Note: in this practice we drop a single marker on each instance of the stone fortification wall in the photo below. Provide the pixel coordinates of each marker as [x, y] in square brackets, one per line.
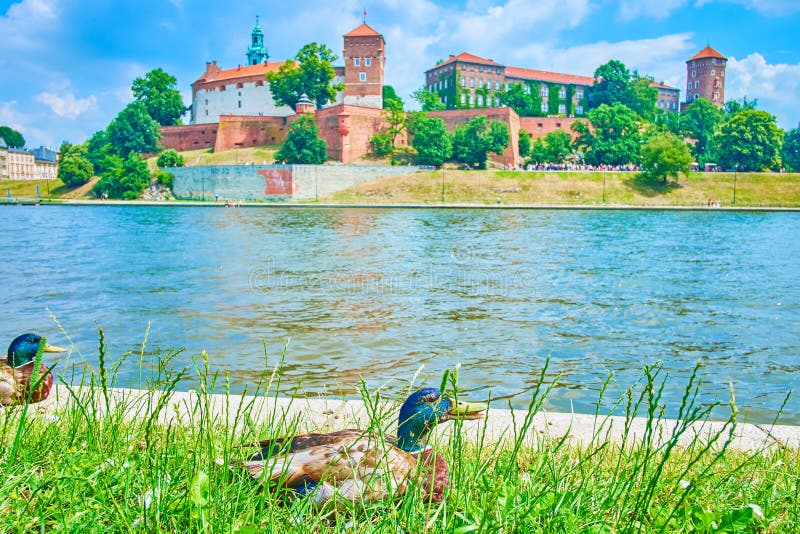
[540, 126]
[241, 132]
[457, 117]
[189, 137]
[274, 182]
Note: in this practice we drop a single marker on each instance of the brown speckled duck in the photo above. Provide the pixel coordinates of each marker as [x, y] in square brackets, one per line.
[362, 467]
[16, 371]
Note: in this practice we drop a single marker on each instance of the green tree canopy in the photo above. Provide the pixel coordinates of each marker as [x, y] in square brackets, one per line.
[310, 73]
[431, 140]
[750, 140]
[791, 150]
[391, 101]
[12, 137]
[700, 121]
[558, 145]
[616, 137]
[133, 130]
[170, 158]
[428, 100]
[98, 148]
[158, 91]
[525, 102]
[732, 107]
[615, 84]
[74, 168]
[664, 155]
[125, 179]
[524, 143]
[303, 144]
[474, 140]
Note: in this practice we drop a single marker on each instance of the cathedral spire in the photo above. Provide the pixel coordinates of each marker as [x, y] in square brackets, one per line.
[256, 53]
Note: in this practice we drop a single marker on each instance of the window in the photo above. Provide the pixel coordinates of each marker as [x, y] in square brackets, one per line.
[713, 62]
[578, 110]
[239, 85]
[444, 99]
[544, 107]
[696, 84]
[206, 101]
[368, 61]
[713, 73]
[579, 93]
[496, 85]
[694, 74]
[472, 82]
[480, 100]
[480, 69]
[357, 62]
[472, 67]
[240, 104]
[445, 83]
[721, 73]
[689, 85]
[496, 101]
[497, 70]
[463, 98]
[480, 83]
[463, 67]
[527, 89]
[471, 100]
[562, 109]
[696, 96]
[463, 82]
[259, 83]
[362, 76]
[562, 92]
[544, 91]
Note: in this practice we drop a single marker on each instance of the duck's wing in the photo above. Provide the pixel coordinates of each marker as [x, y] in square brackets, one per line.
[9, 393]
[349, 463]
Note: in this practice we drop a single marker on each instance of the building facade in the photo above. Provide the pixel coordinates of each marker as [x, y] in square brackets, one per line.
[467, 81]
[23, 164]
[3, 159]
[705, 76]
[241, 91]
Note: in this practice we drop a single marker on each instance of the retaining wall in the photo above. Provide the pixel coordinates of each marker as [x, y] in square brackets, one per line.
[274, 182]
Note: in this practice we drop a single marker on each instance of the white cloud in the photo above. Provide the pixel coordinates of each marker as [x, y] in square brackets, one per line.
[25, 21]
[66, 105]
[657, 9]
[776, 86]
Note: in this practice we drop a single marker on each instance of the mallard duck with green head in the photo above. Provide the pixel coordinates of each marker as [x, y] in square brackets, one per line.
[17, 373]
[361, 467]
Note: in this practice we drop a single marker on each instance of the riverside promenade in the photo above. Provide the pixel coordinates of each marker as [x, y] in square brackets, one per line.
[324, 415]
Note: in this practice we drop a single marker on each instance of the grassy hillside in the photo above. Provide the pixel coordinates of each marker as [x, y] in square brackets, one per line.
[206, 156]
[47, 189]
[574, 188]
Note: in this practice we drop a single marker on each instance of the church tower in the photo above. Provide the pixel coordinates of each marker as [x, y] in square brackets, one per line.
[705, 77]
[363, 67]
[257, 53]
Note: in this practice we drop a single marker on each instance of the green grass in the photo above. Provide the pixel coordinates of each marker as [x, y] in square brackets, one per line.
[575, 188]
[206, 156]
[87, 469]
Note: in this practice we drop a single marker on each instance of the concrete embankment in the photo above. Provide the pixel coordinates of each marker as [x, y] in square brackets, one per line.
[323, 415]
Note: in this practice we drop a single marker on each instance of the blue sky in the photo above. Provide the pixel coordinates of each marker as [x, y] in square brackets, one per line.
[67, 65]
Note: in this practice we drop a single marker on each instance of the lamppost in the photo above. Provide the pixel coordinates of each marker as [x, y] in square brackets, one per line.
[735, 172]
[442, 183]
[604, 185]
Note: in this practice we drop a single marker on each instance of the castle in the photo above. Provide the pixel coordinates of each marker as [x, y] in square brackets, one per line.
[705, 77]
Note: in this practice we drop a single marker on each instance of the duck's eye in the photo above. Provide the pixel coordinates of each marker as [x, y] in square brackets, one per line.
[431, 398]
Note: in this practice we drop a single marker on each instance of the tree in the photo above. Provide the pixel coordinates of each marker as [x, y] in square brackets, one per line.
[526, 103]
[700, 121]
[665, 155]
[133, 130]
[428, 100]
[557, 146]
[125, 179]
[524, 143]
[310, 73]
[391, 101]
[431, 140]
[98, 149]
[12, 137]
[539, 151]
[643, 96]
[474, 140]
[612, 85]
[382, 144]
[170, 158]
[791, 150]
[74, 168]
[303, 144]
[158, 91]
[732, 107]
[750, 141]
[616, 137]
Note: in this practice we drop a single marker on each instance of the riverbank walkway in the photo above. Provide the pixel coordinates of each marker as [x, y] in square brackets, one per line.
[323, 415]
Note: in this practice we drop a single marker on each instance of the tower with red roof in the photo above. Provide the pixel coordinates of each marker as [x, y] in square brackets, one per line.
[705, 76]
[364, 62]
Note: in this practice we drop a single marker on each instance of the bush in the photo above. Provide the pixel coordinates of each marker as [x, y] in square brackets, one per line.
[170, 158]
[74, 168]
[303, 144]
[164, 178]
[381, 144]
[125, 179]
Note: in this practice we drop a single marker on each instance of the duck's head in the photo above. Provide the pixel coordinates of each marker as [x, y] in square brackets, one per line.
[426, 408]
[24, 348]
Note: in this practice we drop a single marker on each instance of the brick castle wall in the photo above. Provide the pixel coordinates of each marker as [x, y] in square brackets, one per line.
[348, 130]
[189, 137]
[540, 126]
[457, 117]
[241, 132]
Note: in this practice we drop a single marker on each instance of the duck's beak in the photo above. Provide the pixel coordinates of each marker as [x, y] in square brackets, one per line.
[50, 348]
[467, 410]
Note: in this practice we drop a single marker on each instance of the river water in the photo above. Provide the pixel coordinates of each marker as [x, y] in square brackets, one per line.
[385, 295]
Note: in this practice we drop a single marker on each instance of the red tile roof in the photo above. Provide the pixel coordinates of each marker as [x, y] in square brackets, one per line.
[662, 85]
[545, 76]
[469, 58]
[707, 52]
[363, 31]
[242, 71]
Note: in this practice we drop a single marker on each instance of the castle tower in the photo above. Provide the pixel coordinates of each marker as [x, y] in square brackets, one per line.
[363, 67]
[256, 53]
[705, 76]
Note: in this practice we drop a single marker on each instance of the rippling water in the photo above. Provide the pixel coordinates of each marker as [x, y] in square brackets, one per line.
[379, 293]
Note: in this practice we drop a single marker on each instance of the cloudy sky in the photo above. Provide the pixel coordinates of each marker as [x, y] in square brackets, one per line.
[66, 65]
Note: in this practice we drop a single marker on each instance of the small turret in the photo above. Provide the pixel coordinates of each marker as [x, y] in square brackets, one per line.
[304, 105]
